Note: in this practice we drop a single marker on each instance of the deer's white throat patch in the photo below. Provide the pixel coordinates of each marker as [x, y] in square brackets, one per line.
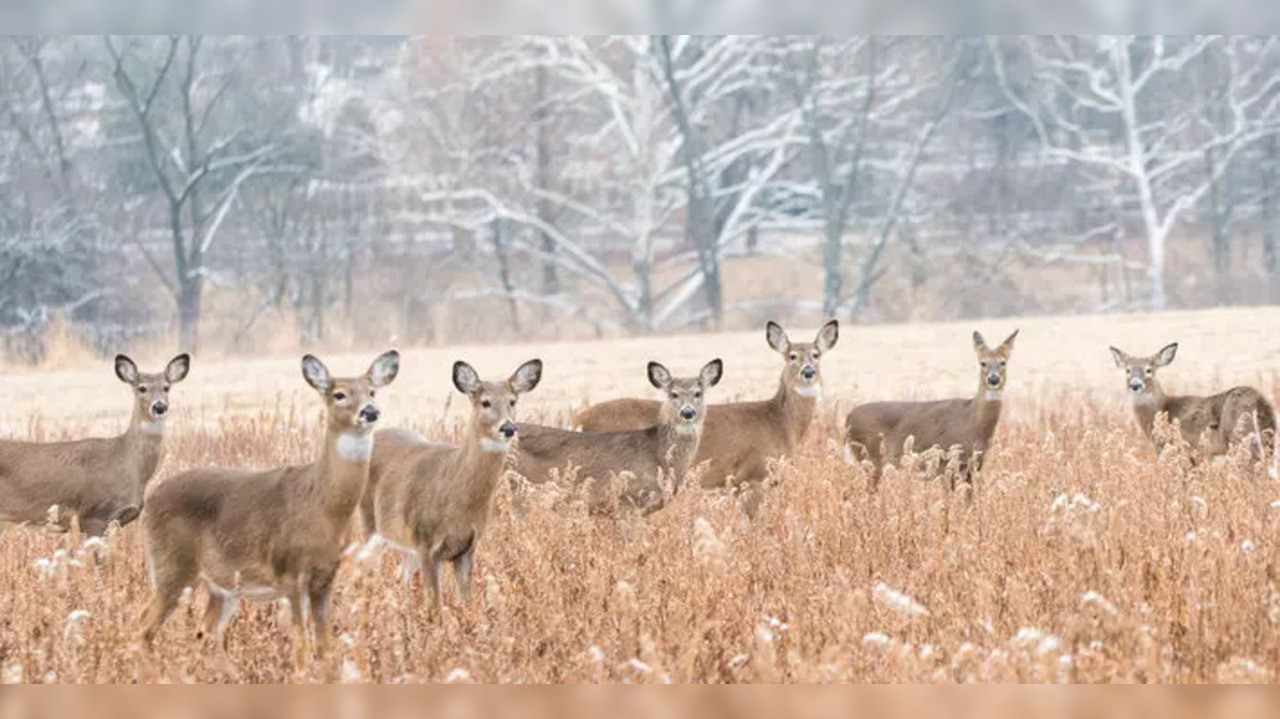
[492, 446]
[355, 447]
[687, 427]
[151, 427]
[808, 390]
[1143, 400]
[993, 395]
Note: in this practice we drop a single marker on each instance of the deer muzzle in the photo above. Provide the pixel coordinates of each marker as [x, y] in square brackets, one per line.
[508, 430]
[159, 408]
[1135, 384]
[369, 414]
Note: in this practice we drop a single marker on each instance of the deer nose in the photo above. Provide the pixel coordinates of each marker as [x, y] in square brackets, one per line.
[159, 408]
[808, 373]
[507, 430]
[1135, 384]
[369, 414]
[993, 379]
[688, 413]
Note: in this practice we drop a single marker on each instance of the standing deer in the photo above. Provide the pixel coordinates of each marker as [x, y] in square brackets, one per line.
[263, 535]
[641, 458]
[98, 480]
[878, 431]
[741, 439]
[1240, 414]
[431, 501]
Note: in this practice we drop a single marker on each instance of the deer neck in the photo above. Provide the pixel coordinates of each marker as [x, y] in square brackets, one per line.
[480, 465]
[986, 408]
[677, 446]
[1147, 406]
[342, 471]
[793, 408]
[143, 445]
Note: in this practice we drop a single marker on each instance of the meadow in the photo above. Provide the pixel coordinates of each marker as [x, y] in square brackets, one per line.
[1082, 556]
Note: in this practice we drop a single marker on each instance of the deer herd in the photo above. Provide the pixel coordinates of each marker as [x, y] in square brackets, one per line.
[282, 533]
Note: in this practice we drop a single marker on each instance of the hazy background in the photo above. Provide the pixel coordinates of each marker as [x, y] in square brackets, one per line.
[257, 194]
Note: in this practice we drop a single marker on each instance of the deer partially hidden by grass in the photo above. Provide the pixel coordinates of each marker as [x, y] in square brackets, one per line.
[741, 439]
[98, 480]
[430, 500]
[264, 535]
[642, 460]
[878, 432]
[1241, 414]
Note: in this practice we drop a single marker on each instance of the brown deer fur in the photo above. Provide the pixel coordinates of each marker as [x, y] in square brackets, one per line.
[97, 480]
[664, 451]
[431, 501]
[267, 534]
[1225, 419]
[740, 439]
[878, 431]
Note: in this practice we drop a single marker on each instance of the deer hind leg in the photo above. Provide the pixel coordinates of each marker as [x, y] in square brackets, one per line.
[462, 566]
[298, 613]
[432, 566]
[168, 582]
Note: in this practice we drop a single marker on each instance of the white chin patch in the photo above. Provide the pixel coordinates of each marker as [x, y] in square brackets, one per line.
[355, 447]
[686, 428]
[808, 390]
[155, 426]
[993, 395]
[493, 446]
[1143, 399]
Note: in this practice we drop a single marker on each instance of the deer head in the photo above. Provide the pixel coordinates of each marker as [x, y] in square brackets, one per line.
[1141, 371]
[992, 364]
[151, 390]
[803, 368]
[685, 399]
[349, 402]
[493, 404]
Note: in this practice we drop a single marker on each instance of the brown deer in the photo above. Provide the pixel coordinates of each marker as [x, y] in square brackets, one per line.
[431, 501]
[878, 431]
[1238, 415]
[741, 439]
[98, 480]
[642, 458]
[263, 535]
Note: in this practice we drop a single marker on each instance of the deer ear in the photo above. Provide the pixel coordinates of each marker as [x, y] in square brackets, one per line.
[1007, 346]
[126, 370]
[177, 369]
[1122, 359]
[711, 372]
[827, 336]
[465, 378]
[659, 376]
[384, 369]
[1167, 354]
[526, 376]
[979, 344]
[315, 373]
[776, 337]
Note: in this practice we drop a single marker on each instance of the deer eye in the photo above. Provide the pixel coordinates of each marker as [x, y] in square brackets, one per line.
[675, 396]
[697, 395]
[511, 402]
[486, 403]
[339, 396]
[372, 394]
[794, 356]
[142, 390]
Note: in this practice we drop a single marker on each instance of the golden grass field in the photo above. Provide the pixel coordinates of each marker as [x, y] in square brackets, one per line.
[1082, 558]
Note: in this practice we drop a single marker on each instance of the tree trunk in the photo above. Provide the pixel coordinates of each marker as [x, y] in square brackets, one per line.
[1269, 252]
[191, 289]
[550, 272]
[1155, 268]
[504, 275]
[833, 283]
[1219, 237]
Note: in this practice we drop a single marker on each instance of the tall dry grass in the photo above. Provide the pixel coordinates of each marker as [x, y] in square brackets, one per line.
[1082, 556]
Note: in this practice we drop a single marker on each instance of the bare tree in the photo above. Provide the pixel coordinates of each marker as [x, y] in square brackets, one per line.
[1122, 106]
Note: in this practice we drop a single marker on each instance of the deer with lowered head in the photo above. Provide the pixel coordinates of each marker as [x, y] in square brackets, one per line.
[641, 458]
[264, 535]
[430, 500]
[740, 439]
[878, 431]
[1241, 414]
[97, 480]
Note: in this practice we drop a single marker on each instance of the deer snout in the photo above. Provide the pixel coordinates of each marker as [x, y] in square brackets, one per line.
[688, 413]
[159, 408]
[808, 373]
[993, 379]
[1135, 384]
[507, 430]
[369, 414]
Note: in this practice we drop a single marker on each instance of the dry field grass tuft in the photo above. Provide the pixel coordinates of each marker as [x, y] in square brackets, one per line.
[1082, 557]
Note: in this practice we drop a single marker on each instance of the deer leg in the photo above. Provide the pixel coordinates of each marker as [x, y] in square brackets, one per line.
[168, 584]
[298, 614]
[212, 610]
[320, 592]
[432, 567]
[462, 566]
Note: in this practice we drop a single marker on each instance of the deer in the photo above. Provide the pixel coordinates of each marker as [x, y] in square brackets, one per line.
[431, 501]
[99, 480]
[642, 459]
[742, 439]
[878, 431]
[271, 534]
[1240, 414]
